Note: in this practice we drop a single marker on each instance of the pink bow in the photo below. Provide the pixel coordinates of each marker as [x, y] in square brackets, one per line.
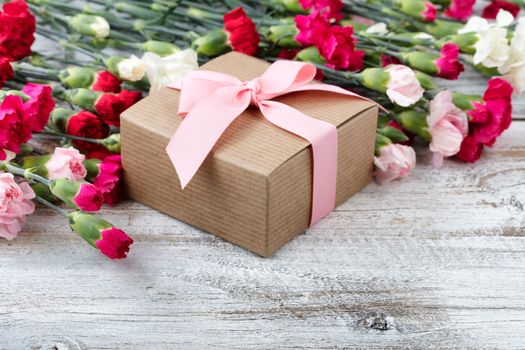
[211, 101]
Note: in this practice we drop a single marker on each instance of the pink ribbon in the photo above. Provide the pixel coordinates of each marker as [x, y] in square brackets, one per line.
[211, 101]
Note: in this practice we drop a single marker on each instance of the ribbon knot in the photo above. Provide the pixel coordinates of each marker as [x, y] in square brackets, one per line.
[211, 101]
[255, 88]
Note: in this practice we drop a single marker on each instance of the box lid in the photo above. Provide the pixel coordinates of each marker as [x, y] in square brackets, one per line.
[250, 142]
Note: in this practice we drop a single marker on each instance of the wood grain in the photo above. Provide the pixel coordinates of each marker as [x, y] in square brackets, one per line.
[436, 260]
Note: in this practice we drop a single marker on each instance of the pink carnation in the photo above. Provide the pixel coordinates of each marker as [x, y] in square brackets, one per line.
[403, 88]
[108, 178]
[429, 14]
[448, 126]
[310, 27]
[448, 64]
[460, 9]
[39, 106]
[88, 198]
[396, 161]
[114, 243]
[330, 9]
[15, 205]
[66, 163]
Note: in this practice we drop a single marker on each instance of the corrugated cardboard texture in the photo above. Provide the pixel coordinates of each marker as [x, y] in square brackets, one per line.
[254, 189]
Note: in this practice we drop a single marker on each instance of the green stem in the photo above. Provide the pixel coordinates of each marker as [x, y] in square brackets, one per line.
[51, 205]
[57, 135]
[13, 169]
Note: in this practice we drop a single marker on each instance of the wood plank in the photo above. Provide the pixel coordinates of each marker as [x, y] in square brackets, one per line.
[435, 260]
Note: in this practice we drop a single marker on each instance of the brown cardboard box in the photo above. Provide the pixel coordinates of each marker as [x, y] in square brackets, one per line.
[254, 189]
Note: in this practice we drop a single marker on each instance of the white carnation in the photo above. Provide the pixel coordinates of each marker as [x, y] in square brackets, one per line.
[131, 69]
[100, 26]
[162, 71]
[378, 28]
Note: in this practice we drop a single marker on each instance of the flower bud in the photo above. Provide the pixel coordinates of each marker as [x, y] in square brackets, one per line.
[442, 28]
[426, 81]
[112, 143]
[375, 79]
[77, 77]
[77, 195]
[310, 54]
[420, 9]
[283, 36]
[288, 6]
[90, 25]
[131, 69]
[381, 141]
[466, 42]
[465, 102]
[84, 98]
[100, 234]
[161, 48]
[59, 118]
[415, 122]
[423, 61]
[212, 44]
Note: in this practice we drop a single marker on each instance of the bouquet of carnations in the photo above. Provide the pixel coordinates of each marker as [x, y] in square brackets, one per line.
[102, 56]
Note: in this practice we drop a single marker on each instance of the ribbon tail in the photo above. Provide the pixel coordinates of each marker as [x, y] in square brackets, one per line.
[323, 138]
[201, 129]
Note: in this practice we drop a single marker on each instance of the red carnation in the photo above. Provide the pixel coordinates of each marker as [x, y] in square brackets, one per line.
[388, 60]
[13, 129]
[310, 27]
[17, 28]
[330, 9]
[6, 70]
[491, 11]
[488, 119]
[129, 98]
[429, 14]
[109, 106]
[242, 33]
[86, 124]
[448, 64]
[39, 106]
[337, 46]
[460, 9]
[106, 82]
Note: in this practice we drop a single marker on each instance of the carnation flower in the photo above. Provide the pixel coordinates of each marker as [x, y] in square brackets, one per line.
[492, 47]
[111, 241]
[162, 71]
[91, 25]
[6, 70]
[420, 9]
[460, 9]
[15, 205]
[448, 126]
[403, 88]
[131, 69]
[310, 27]
[491, 10]
[448, 63]
[86, 124]
[14, 130]
[242, 33]
[106, 174]
[109, 106]
[17, 28]
[337, 46]
[39, 105]
[66, 163]
[129, 98]
[395, 161]
[106, 82]
[77, 195]
[330, 9]
[514, 67]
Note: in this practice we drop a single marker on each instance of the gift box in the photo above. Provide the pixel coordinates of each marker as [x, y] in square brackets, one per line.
[254, 188]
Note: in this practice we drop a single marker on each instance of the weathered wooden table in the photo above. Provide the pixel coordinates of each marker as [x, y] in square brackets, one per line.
[436, 260]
